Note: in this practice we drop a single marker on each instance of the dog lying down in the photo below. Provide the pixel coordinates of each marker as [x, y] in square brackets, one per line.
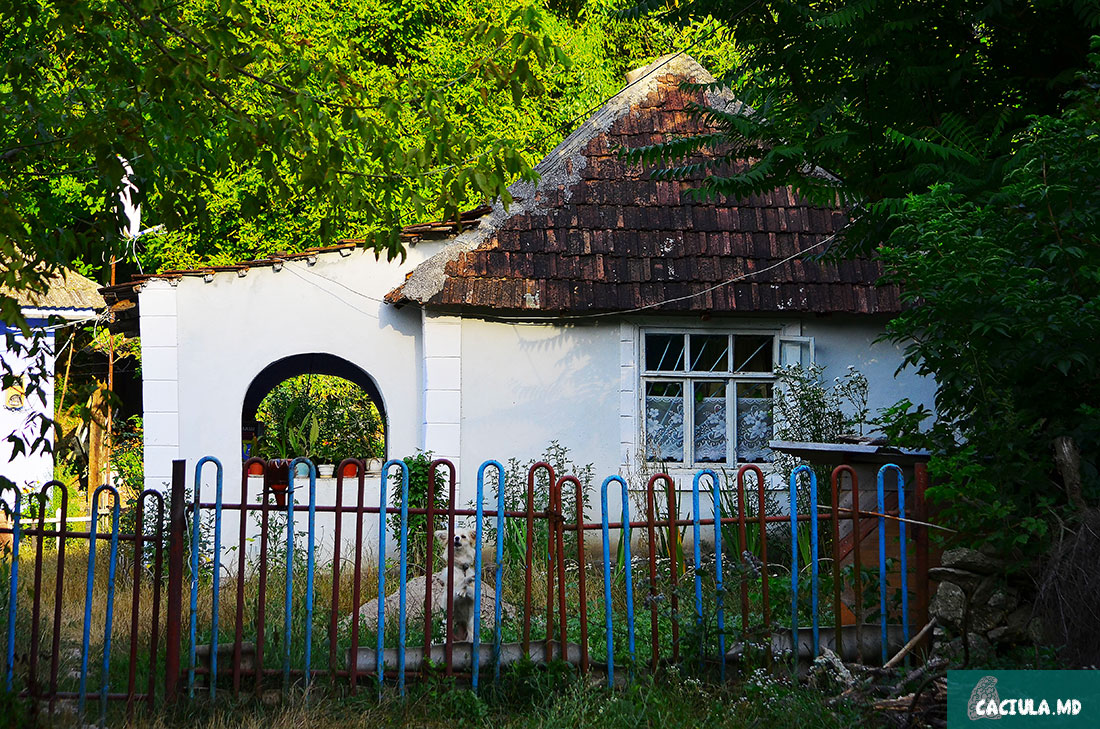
[463, 592]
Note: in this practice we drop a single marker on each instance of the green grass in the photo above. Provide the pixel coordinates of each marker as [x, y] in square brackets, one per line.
[531, 698]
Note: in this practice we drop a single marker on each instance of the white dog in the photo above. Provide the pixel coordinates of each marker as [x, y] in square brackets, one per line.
[462, 598]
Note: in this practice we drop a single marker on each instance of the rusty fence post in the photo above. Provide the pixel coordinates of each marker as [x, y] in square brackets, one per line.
[177, 525]
[920, 534]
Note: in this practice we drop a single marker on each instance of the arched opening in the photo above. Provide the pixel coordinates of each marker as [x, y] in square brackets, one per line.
[316, 405]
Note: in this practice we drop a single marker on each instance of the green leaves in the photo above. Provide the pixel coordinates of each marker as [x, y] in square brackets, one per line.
[1005, 313]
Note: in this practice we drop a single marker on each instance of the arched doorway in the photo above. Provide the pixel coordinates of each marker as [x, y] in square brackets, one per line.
[317, 405]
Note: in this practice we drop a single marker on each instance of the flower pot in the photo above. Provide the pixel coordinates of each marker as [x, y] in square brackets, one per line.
[351, 470]
[325, 470]
[279, 489]
[301, 470]
[278, 478]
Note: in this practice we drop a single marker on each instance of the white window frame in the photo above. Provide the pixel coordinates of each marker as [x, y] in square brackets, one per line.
[784, 348]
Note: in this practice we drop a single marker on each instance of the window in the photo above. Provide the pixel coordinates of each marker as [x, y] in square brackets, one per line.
[708, 395]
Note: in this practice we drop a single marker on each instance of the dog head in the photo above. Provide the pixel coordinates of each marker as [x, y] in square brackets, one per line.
[463, 543]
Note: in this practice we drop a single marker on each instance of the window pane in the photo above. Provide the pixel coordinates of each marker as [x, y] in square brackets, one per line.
[664, 352]
[664, 421]
[710, 422]
[754, 422]
[752, 353]
[709, 352]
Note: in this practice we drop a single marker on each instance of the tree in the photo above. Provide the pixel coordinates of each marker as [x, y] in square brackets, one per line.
[1004, 290]
[407, 43]
[887, 97]
[961, 134]
[189, 94]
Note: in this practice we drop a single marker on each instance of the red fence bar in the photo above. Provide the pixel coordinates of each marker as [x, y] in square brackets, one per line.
[557, 525]
[158, 588]
[651, 539]
[676, 550]
[261, 601]
[357, 578]
[742, 547]
[238, 621]
[834, 482]
[857, 572]
[176, 528]
[529, 516]
[36, 607]
[581, 565]
[920, 538]
[761, 512]
[55, 646]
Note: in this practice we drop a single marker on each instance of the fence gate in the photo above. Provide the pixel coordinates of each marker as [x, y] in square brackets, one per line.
[285, 586]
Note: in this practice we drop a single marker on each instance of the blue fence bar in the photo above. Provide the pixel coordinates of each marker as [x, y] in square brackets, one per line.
[90, 586]
[902, 547]
[13, 581]
[624, 539]
[196, 549]
[311, 547]
[475, 648]
[112, 563]
[802, 550]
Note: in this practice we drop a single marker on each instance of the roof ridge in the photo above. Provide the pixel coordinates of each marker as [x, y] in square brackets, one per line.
[559, 170]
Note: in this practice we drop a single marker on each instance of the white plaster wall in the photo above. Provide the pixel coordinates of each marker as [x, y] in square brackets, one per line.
[468, 389]
[841, 342]
[203, 343]
[524, 385]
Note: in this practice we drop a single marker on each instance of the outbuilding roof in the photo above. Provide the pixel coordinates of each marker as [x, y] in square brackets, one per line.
[67, 291]
[597, 233]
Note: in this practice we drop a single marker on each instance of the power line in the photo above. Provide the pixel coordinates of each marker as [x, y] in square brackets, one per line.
[596, 315]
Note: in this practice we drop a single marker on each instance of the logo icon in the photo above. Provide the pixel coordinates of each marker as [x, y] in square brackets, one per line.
[985, 690]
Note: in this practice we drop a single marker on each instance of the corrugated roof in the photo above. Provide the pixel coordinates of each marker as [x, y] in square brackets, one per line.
[599, 234]
[67, 290]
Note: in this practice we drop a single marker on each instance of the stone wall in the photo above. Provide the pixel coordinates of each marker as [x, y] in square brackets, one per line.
[981, 603]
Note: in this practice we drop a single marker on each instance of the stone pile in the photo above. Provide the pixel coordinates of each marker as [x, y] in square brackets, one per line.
[977, 601]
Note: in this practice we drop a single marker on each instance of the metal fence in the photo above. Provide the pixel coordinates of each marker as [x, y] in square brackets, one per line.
[257, 610]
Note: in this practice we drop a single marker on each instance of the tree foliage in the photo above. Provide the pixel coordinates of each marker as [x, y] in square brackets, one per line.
[256, 126]
[963, 137]
[196, 95]
[1005, 313]
[887, 98]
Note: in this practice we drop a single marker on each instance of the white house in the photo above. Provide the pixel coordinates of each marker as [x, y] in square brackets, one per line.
[69, 298]
[606, 310]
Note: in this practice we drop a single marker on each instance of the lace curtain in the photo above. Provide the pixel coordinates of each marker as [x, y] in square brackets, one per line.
[754, 429]
[664, 427]
[710, 429]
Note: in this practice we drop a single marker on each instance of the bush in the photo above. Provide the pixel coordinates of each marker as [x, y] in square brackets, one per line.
[322, 417]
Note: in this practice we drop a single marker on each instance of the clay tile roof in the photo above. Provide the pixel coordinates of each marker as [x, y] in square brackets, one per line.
[599, 234]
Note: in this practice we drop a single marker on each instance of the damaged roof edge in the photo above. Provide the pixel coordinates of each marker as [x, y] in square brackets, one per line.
[559, 170]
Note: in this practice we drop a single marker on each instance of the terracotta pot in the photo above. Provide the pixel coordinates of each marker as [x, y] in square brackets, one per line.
[278, 476]
[279, 489]
[351, 470]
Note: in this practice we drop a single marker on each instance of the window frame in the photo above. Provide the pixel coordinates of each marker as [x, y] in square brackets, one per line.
[729, 377]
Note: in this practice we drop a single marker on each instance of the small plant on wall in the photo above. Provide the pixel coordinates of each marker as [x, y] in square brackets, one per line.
[322, 417]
